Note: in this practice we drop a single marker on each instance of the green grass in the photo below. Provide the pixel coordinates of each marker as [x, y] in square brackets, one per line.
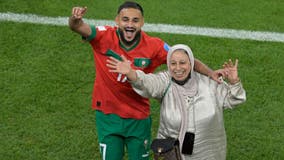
[46, 85]
[47, 73]
[259, 15]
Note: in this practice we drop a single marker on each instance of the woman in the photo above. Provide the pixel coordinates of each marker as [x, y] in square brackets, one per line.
[191, 104]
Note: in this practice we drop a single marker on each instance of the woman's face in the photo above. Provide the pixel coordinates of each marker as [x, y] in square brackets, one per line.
[180, 66]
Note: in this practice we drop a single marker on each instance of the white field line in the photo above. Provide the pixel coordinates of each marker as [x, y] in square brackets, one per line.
[161, 28]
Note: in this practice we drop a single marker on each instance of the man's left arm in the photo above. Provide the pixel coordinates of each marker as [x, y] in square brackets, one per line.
[205, 70]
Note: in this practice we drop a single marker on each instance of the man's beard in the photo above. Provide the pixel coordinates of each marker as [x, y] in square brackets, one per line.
[129, 43]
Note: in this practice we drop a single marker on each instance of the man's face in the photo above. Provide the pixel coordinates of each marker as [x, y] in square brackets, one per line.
[130, 22]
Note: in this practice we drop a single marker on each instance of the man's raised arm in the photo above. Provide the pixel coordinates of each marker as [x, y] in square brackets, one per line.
[76, 23]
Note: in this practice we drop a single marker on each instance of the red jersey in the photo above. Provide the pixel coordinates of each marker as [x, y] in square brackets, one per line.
[112, 93]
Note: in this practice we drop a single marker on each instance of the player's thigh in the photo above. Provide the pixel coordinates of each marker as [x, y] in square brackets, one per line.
[108, 124]
[138, 139]
[109, 128]
[112, 148]
[138, 149]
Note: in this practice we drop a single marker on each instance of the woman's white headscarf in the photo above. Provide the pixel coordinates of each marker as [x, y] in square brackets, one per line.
[190, 87]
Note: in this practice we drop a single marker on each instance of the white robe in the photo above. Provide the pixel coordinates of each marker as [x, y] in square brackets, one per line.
[204, 112]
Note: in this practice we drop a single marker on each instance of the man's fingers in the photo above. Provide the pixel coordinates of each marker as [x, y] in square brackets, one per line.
[124, 59]
[236, 63]
[83, 10]
[230, 63]
[225, 65]
[112, 67]
[78, 12]
[112, 61]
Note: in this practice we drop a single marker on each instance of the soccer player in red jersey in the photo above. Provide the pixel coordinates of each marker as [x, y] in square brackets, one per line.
[122, 116]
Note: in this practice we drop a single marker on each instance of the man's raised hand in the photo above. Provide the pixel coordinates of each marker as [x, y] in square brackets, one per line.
[78, 12]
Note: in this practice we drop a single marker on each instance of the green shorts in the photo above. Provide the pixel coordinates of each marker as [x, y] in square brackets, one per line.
[116, 133]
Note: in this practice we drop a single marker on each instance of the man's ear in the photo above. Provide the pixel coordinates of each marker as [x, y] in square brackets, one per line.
[142, 22]
[116, 20]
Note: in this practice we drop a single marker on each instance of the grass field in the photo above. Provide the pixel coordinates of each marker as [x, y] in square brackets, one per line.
[47, 73]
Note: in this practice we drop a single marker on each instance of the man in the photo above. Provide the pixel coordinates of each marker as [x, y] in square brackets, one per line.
[122, 116]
